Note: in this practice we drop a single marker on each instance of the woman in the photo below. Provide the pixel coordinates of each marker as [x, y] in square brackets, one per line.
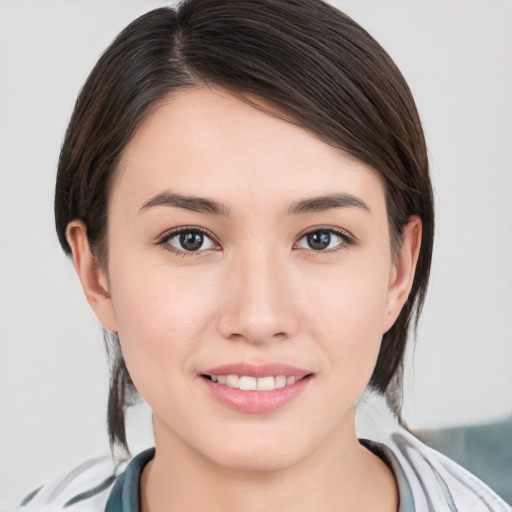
[245, 194]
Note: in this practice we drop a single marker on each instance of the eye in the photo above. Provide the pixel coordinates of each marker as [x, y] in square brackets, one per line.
[188, 240]
[323, 240]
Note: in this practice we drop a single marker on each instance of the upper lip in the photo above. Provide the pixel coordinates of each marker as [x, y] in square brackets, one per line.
[257, 370]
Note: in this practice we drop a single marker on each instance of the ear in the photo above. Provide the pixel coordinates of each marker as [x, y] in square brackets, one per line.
[94, 280]
[403, 270]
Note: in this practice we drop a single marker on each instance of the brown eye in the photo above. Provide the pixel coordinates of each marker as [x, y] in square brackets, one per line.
[321, 240]
[191, 240]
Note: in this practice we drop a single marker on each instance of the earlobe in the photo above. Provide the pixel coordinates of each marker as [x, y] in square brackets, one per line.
[94, 280]
[403, 270]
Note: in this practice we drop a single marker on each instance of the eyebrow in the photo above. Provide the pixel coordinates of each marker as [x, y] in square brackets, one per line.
[209, 206]
[195, 204]
[328, 202]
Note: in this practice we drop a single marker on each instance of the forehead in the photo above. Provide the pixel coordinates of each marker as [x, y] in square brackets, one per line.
[208, 142]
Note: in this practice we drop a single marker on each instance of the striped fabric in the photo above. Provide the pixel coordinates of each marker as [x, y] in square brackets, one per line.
[436, 483]
[87, 487]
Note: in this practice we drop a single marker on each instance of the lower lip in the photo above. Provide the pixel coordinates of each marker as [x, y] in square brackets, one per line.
[256, 401]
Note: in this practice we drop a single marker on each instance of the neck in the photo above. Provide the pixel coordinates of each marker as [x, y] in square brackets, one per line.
[339, 475]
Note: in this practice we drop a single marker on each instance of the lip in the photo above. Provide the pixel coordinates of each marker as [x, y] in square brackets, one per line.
[256, 401]
[257, 370]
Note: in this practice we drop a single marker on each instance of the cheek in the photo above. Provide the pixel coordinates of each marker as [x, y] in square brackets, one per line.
[349, 298]
[161, 316]
[345, 313]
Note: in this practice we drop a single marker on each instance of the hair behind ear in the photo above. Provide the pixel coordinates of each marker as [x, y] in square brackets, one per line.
[122, 394]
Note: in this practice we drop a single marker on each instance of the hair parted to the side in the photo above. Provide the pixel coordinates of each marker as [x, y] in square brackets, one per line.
[318, 67]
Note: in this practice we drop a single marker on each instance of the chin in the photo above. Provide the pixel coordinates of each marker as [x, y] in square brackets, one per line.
[261, 459]
[259, 449]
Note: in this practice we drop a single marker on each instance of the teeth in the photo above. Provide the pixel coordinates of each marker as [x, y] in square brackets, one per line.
[232, 381]
[281, 381]
[247, 383]
[266, 383]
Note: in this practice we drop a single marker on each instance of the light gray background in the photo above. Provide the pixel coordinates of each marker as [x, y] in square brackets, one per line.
[457, 58]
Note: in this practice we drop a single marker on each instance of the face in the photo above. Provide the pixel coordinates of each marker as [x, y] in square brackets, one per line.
[243, 252]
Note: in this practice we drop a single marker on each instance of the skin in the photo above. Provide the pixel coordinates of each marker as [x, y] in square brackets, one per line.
[257, 293]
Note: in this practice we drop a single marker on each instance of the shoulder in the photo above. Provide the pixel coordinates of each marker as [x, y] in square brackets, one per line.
[84, 488]
[432, 480]
[427, 479]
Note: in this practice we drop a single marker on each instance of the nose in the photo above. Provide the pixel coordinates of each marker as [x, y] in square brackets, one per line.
[258, 300]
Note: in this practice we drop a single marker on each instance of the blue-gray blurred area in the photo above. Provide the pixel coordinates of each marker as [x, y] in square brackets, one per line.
[485, 450]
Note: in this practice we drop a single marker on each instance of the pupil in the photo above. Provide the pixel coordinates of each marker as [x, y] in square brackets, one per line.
[191, 241]
[319, 240]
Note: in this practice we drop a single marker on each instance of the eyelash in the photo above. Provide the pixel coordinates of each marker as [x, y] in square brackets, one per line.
[347, 240]
[164, 240]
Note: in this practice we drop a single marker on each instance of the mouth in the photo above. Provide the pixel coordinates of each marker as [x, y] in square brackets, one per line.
[255, 388]
[250, 383]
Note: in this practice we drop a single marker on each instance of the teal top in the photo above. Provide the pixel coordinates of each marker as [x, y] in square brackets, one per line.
[125, 495]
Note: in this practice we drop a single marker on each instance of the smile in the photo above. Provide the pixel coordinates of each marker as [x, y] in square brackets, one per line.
[258, 388]
[248, 383]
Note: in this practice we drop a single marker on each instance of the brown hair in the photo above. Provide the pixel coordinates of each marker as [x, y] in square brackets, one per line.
[321, 69]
